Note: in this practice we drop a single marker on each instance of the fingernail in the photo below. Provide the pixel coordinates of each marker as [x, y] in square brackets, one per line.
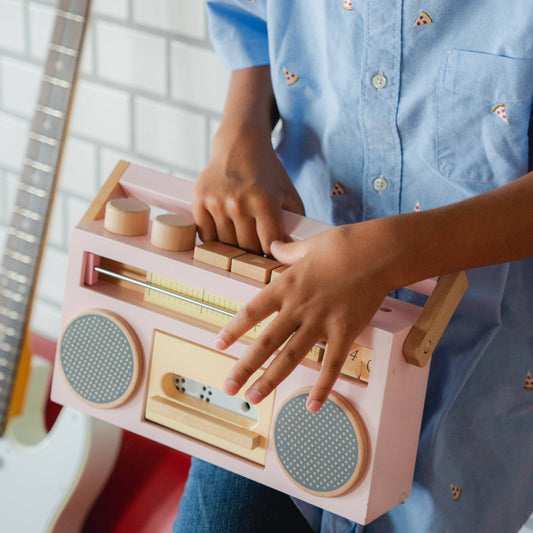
[313, 406]
[231, 387]
[219, 344]
[254, 396]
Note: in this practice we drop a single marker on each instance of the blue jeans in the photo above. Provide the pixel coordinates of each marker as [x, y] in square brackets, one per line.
[218, 501]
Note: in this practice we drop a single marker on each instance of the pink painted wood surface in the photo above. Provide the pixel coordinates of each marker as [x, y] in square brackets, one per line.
[390, 405]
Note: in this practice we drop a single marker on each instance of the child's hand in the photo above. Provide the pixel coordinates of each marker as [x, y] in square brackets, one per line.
[238, 198]
[334, 286]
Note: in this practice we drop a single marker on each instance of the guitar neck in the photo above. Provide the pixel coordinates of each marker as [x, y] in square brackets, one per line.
[31, 213]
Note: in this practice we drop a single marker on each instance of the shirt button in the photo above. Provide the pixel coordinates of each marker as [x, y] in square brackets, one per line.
[380, 184]
[379, 81]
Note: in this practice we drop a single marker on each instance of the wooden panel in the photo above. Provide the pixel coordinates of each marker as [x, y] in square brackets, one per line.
[216, 254]
[254, 267]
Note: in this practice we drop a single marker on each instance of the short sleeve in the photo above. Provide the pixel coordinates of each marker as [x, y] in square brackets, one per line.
[238, 32]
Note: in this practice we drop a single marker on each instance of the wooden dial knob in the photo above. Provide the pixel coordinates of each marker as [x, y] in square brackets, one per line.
[127, 216]
[174, 231]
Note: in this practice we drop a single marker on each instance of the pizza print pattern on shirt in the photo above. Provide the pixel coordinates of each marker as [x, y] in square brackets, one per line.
[457, 492]
[423, 19]
[348, 5]
[338, 189]
[290, 77]
[528, 385]
[499, 111]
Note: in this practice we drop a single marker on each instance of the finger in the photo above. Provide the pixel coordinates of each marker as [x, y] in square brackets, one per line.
[263, 347]
[225, 230]
[283, 364]
[288, 252]
[248, 316]
[244, 224]
[206, 225]
[336, 352]
[269, 227]
[246, 235]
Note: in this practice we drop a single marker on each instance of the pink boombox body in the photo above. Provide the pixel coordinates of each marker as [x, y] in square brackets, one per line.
[139, 322]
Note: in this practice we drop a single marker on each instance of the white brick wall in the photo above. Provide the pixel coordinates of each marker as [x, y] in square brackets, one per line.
[12, 26]
[170, 134]
[41, 20]
[151, 91]
[132, 58]
[180, 16]
[21, 86]
[102, 114]
[205, 90]
[119, 9]
[13, 134]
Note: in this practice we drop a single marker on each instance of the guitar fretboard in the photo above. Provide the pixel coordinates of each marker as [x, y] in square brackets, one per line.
[36, 188]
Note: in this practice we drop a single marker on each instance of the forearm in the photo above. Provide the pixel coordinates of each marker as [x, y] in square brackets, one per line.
[491, 228]
[250, 107]
[239, 196]
[338, 278]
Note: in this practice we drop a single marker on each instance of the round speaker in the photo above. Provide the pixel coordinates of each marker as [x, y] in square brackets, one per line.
[324, 453]
[101, 358]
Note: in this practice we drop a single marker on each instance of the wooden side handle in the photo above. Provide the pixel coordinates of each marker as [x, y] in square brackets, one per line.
[109, 191]
[428, 329]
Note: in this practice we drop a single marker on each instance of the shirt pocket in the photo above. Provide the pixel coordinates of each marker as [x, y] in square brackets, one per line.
[483, 104]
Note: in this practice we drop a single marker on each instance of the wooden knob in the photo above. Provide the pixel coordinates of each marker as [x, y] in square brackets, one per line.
[174, 231]
[127, 216]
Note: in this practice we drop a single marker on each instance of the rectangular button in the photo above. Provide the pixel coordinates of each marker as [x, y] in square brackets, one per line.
[316, 354]
[358, 362]
[216, 254]
[277, 271]
[254, 267]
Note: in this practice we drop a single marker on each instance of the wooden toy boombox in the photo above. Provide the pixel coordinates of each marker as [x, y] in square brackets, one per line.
[142, 310]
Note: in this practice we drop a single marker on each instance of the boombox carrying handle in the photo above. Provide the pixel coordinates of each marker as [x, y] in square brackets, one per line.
[430, 325]
[109, 191]
[424, 334]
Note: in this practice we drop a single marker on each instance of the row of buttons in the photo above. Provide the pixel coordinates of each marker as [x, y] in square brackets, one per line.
[379, 81]
[358, 362]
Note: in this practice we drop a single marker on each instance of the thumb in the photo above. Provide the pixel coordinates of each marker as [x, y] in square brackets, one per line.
[288, 252]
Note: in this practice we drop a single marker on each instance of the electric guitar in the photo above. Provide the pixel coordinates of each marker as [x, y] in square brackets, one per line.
[48, 482]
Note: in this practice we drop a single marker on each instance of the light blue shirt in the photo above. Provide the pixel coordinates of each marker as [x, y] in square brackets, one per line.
[394, 106]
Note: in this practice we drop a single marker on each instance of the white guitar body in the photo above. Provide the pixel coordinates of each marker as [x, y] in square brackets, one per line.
[49, 482]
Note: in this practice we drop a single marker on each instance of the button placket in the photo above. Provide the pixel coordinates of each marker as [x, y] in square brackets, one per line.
[380, 94]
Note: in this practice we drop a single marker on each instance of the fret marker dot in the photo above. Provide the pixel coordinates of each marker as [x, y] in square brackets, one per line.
[59, 65]
[46, 125]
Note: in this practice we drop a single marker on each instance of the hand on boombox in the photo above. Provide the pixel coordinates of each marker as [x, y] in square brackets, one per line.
[335, 284]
